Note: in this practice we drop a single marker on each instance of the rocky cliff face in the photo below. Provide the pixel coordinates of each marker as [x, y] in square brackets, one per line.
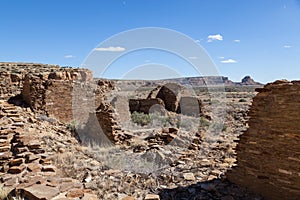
[268, 152]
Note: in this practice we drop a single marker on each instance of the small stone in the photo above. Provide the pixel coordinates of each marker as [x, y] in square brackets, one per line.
[34, 145]
[189, 176]
[152, 197]
[216, 172]
[88, 196]
[21, 149]
[31, 157]
[87, 178]
[4, 142]
[193, 146]
[75, 193]
[46, 161]
[65, 186]
[211, 177]
[19, 124]
[128, 198]
[61, 150]
[48, 168]
[34, 167]
[16, 162]
[17, 169]
[171, 137]
[11, 182]
[40, 192]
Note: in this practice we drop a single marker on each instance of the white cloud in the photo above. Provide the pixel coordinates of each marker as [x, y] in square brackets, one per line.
[69, 56]
[287, 46]
[227, 61]
[110, 49]
[197, 41]
[237, 41]
[193, 57]
[221, 57]
[211, 38]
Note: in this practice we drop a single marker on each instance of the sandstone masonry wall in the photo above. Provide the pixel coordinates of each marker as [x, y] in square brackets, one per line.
[145, 105]
[268, 153]
[66, 94]
[12, 76]
[73, 96]
[52, 93]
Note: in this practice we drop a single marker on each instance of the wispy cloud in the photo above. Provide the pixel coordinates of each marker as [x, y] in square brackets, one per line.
[221, 57]
[237, 41]
[228, 61]
[287, 46]
[193, 57]
[110, 49]
[211, 38]
[69, 56]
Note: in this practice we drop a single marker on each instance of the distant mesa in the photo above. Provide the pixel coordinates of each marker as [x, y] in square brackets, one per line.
[247, 80]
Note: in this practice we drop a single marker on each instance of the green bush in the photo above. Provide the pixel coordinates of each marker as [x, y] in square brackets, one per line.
[141, 118]
[204, 122]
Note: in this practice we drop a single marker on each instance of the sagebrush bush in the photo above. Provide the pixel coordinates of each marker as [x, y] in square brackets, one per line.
[3, 192]
[154, 119]
[140, 118]
[204, 122]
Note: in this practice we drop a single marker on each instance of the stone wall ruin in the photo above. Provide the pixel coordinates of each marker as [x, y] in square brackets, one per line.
[268, 153]
[65, 94]
[12, 76]
[52, 93]
[169, 97]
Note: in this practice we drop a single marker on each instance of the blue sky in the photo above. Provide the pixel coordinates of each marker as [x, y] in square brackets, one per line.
[258, 37]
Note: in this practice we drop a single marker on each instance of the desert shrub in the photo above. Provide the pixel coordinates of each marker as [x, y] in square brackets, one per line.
[141, 119]
[160, 120]
[154, 119]
[71, 126]
[188, 124]
[204, 122]
[3, 192]
[69, 165]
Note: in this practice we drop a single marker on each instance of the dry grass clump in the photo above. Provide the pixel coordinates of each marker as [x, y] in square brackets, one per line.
[4, 194]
